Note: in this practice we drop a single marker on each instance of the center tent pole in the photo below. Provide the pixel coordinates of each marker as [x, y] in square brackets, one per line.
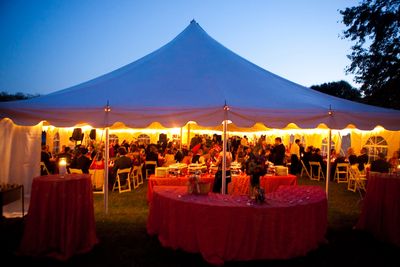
[328, 163]
[224, 146]
[107, 110]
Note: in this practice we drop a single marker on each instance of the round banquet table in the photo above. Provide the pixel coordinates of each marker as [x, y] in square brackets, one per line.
[292, 222]
[60, 220]
[380, 213]
[240, 185]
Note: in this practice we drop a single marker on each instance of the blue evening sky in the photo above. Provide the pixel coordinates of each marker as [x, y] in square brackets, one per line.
[49, 45]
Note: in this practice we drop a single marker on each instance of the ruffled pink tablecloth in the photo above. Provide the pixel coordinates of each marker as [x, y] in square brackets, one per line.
[240, 185]
[380, 213]
[60, 221]
[292, 222]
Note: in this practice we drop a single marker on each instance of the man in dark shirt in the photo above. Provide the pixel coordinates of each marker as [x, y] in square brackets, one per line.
[80, 161]
[122, 162]
[362, 159]
[380, 164]
[278, 152]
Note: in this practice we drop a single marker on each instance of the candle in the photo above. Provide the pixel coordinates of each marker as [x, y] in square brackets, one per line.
[62, 166]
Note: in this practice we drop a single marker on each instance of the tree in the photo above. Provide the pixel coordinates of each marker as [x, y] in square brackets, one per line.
[4, 96]
[374, 25]
[340, 89]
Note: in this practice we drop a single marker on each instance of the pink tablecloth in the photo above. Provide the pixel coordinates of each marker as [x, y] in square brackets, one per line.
[60, 220]
[380, 214]
[173, 181]
[222, 228]
[240, 185]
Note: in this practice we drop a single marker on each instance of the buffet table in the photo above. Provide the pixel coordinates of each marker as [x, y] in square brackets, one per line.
[60, 221]
[380, 213]
[292, 222]
[173, 181]
[240, 185]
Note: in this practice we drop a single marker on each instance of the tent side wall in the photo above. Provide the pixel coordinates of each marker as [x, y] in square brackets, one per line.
[20, 148]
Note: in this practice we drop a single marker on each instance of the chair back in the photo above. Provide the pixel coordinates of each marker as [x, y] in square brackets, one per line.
[342, 173]
[43, 169]
[117, 183]
[316, 170]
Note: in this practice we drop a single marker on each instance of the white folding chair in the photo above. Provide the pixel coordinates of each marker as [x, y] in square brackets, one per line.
[357, 180]
[304, 170]
[342, 173]
[316, 172]
[149, 163]
[117, 183]
[137, 176]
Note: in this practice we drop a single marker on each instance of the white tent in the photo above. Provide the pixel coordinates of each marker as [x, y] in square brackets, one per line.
[192, 78]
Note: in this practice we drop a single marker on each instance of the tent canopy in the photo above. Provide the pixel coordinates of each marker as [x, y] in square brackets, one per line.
[190, 79]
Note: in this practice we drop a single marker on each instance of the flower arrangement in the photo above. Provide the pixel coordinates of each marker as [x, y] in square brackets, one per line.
[259, 195]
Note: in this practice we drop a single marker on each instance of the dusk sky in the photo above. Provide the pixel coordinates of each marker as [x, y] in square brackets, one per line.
[49, 45]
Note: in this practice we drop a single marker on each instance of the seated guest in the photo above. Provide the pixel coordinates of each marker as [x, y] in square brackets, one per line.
[317, 157]
[122, 162]
[362, 159]
[394, 161]
[351, 156]
[80, 161]
[45, 158]
[380, 164]
[169, 158]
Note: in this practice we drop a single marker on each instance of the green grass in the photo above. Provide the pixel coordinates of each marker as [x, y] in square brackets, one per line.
[124, 240]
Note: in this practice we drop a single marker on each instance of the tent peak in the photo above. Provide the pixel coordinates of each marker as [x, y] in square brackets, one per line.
[193, 21]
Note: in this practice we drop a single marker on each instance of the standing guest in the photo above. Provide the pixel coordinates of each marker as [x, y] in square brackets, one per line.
[295, 157]
[380, 164]
[278, 152]
[217, 187]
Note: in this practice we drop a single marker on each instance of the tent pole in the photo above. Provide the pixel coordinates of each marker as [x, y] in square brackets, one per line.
[224, 160]
[328, 163]
[224, 144]
[107, 155]
[181, 139]
[188, 136]
[107, 110]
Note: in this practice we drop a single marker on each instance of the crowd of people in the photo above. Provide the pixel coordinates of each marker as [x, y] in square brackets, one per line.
[204, 149]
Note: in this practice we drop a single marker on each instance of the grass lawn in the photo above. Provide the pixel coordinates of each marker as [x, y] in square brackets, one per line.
[124, 240]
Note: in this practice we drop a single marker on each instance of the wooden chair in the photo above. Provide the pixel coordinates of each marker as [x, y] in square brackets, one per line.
[357, 181]
[149, 163]
[342, 173]
[43, 169]
[137, 176]
[77, 171]
[117, 183]
[97, 180]
[316, 172]
[304, 170]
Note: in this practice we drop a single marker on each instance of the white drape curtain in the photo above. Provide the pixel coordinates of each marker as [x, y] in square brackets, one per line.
[20, 148]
